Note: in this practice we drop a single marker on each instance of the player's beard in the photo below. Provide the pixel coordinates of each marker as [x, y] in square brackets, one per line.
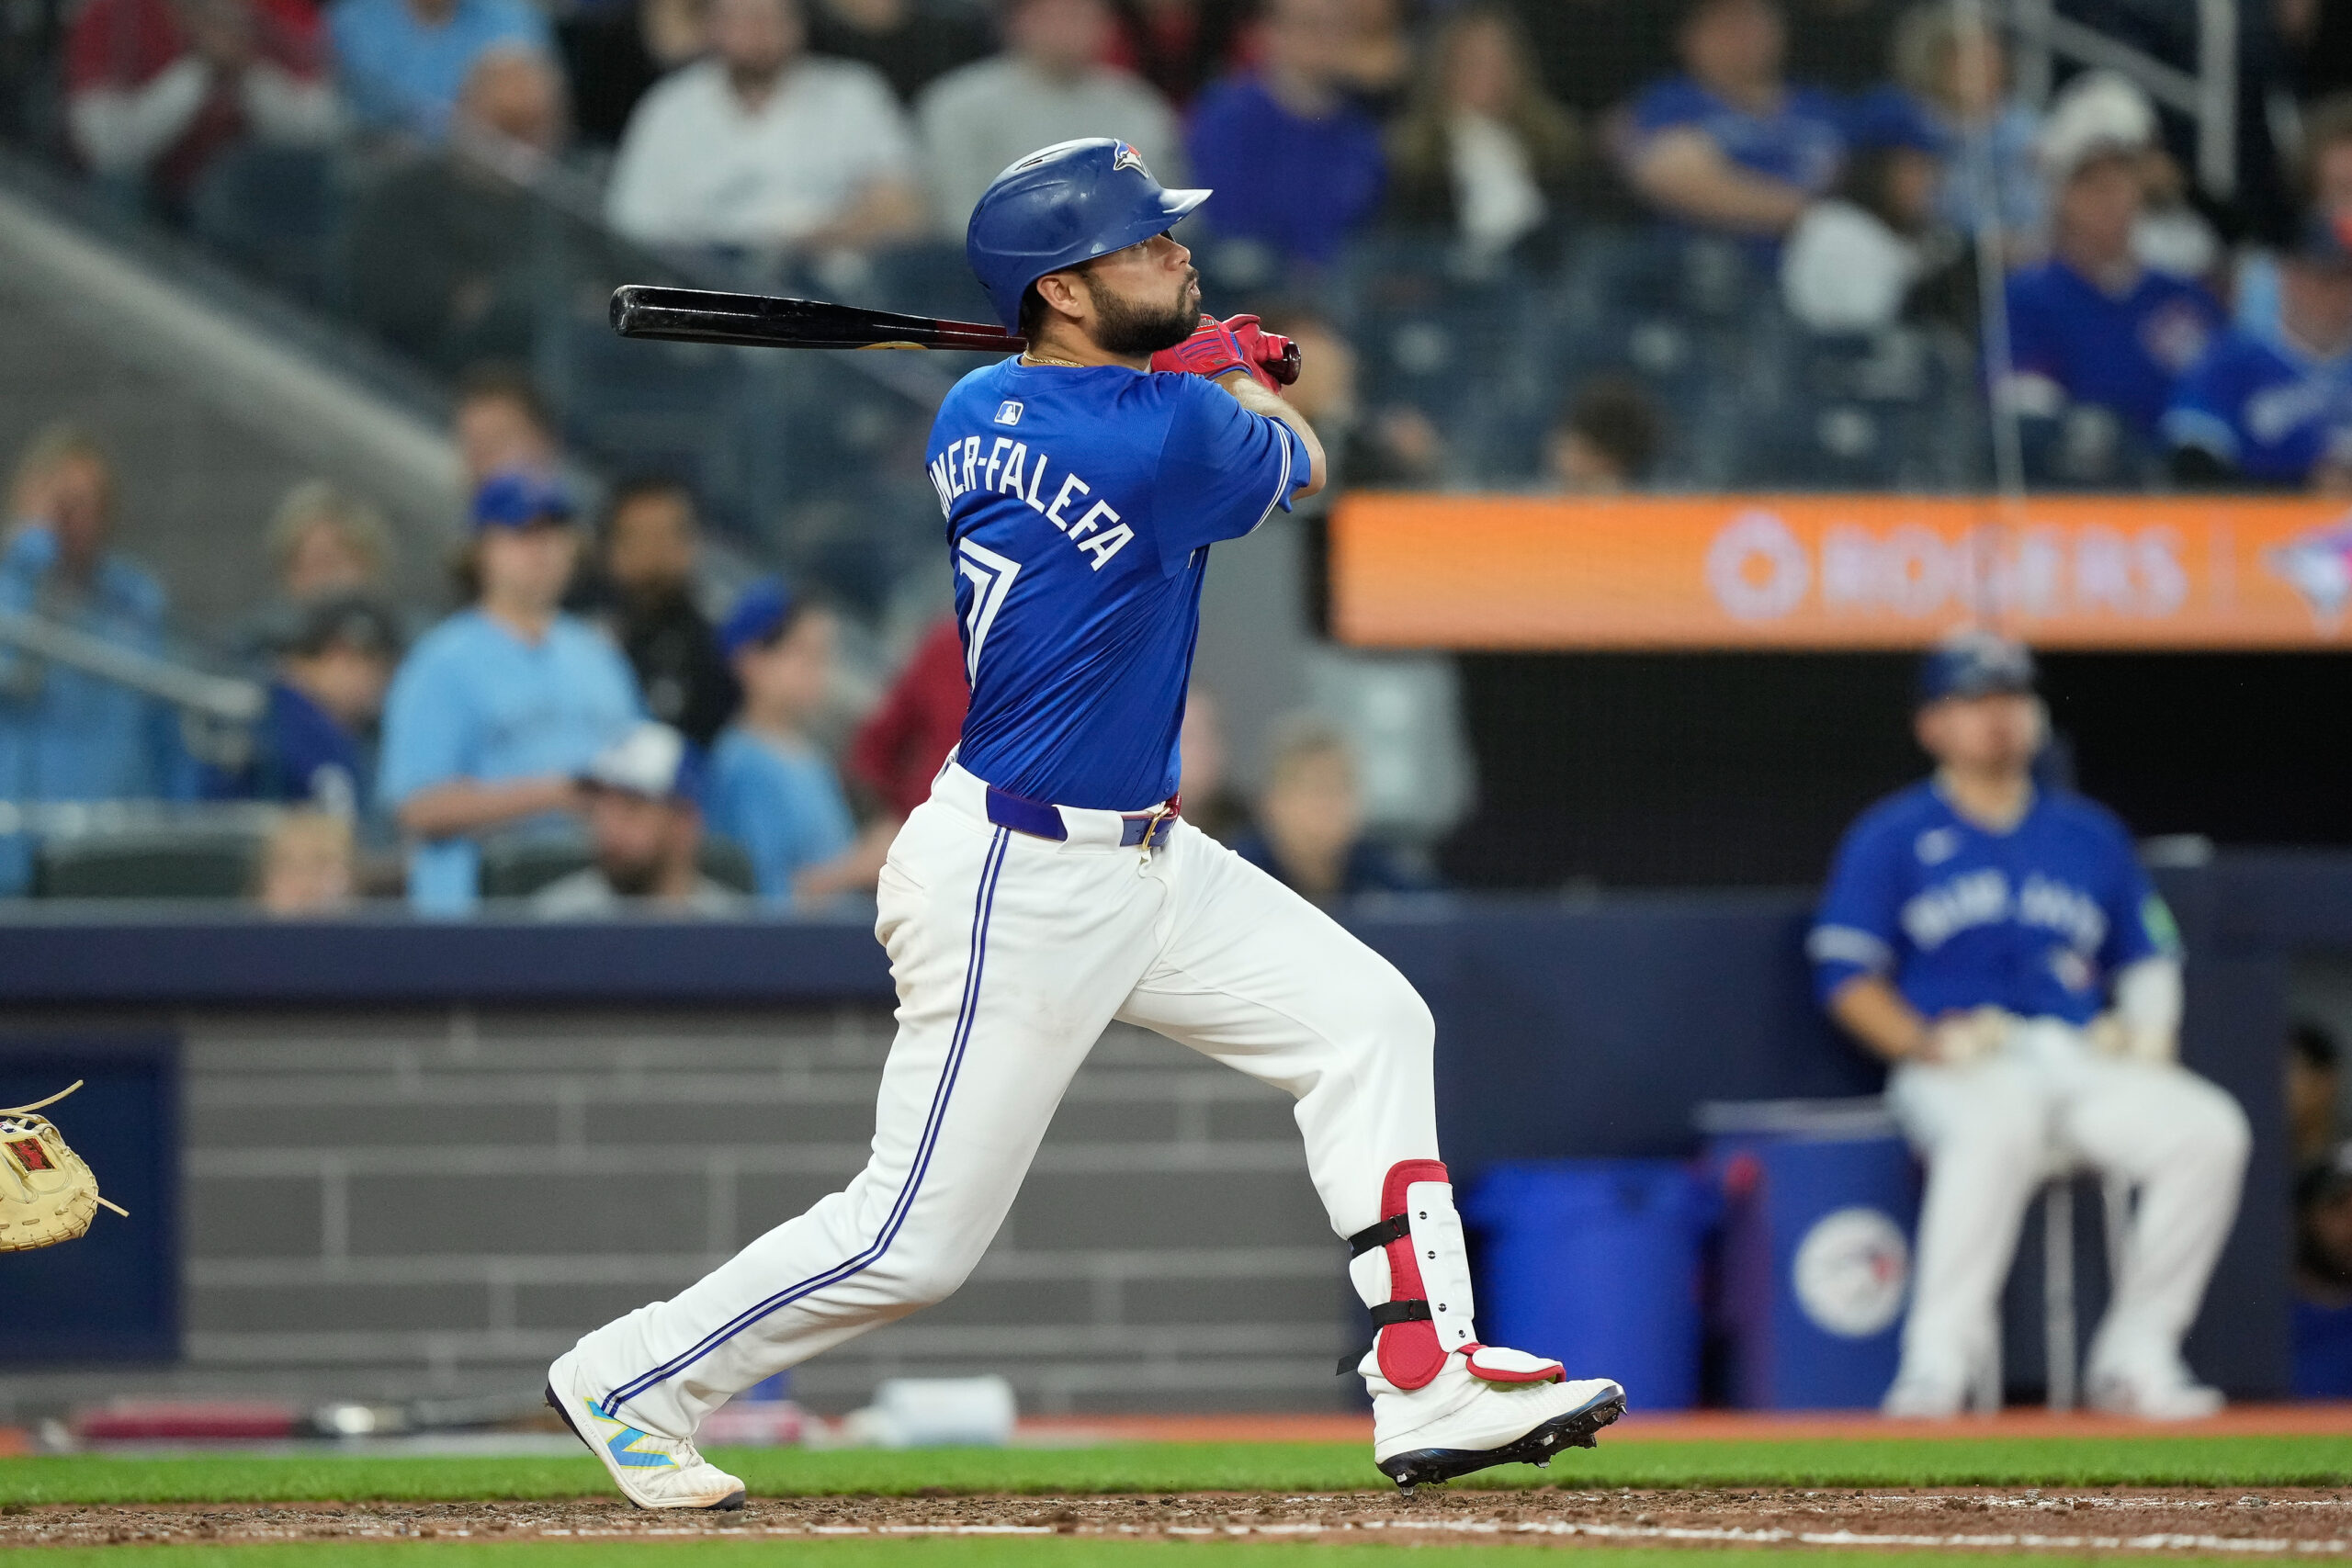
[1134, 332]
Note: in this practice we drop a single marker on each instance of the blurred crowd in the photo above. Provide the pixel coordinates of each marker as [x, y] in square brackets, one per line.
[1866, 156]
[580, 732]
[1870, 167]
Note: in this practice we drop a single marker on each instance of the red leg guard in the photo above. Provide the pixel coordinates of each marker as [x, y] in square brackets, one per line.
[1410, 1354]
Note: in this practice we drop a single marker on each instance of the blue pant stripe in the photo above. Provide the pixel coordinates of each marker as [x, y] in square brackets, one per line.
[967, 1017]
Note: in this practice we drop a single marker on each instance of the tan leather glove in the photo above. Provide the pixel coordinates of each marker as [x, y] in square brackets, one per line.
[47, 1192]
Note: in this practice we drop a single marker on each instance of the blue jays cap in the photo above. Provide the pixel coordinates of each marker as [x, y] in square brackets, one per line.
[518, 498]
[1063, 205]
[1975, 664]
[760, 611]
[652, 761]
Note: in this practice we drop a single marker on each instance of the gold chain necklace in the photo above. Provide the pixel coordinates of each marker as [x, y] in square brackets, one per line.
[1031, 357]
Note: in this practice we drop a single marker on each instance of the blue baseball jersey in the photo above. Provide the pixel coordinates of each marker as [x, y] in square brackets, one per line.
[2266, 408]
[1801, 142]
[2121, 352]
[1080, 505]
[2037, 921]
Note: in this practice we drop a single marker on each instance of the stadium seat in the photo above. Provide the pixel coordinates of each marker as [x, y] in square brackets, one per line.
[516, 868]
[149, 863]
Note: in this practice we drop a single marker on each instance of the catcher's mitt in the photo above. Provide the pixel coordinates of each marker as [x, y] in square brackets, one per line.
[47, 1193]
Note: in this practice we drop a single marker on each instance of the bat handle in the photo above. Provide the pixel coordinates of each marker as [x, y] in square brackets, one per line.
[1286, 368]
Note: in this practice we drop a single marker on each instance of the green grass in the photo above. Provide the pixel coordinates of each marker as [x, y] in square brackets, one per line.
[934, 1553]
[2151, 1460]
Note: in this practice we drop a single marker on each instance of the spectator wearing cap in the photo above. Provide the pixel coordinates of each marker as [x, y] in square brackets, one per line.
[765, 147]
[1049, 85]
[1730, 146]
[2274, 410]
[2093, 331]
[66, 734]
[1297, 165]
[159, 91]
[315, 740]
[1999, 946]
[644, 806]
[496, 710]
[773, 789]
[649, 555]
[402, 63]
[899, 748]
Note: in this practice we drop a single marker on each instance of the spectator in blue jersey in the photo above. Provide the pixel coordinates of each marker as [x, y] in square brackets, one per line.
[2323, 1320]
[401, 63]
[1297, 165]
[1730, 146]
[315, 742]
[1309, 828]
[2097, 339]
[2274, 410]
[772, 788]
[1997, 943]
[498, 709]
[66, 734]
[1952, 72]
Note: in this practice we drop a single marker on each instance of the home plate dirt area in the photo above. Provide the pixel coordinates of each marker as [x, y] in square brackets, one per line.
[2175, 1521]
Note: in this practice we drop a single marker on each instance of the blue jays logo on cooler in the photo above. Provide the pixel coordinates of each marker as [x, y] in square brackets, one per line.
[1126, 157]
[2318, 565]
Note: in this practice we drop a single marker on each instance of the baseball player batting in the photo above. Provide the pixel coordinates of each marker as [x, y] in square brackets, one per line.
[2000, 945]
[1048, 886]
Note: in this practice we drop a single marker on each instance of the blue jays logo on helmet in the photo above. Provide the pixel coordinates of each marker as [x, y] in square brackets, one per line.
[1063, 205]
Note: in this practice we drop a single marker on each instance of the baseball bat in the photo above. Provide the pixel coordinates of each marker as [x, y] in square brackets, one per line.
[706, 315]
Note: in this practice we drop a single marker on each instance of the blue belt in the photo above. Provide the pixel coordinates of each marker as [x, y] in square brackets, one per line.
[1040, 820]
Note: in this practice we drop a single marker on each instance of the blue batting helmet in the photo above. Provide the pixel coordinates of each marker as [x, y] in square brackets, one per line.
[1975, 664]
[1069, 203]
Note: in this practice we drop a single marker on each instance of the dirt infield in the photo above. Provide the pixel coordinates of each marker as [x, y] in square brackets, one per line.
[2118, 1520]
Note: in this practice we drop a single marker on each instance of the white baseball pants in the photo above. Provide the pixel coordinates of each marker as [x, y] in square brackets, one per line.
[1994, 1132]
[1011, 953]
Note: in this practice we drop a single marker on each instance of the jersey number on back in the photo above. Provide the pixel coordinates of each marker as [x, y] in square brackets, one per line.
[992, 577]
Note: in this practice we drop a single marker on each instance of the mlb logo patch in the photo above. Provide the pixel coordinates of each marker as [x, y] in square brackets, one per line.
[1009, 413]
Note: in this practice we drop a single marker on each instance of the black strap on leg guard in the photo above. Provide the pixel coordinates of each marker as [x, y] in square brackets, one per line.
[1382, 1317]
[1396, 1227]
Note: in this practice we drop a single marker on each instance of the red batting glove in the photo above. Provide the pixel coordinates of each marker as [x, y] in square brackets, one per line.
[1211, 352]
[1269, 354]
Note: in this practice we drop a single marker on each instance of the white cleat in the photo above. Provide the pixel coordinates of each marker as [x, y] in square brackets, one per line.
[1923, 1399]
[2163, 1394]
[652, 1472]
[1461, 1422]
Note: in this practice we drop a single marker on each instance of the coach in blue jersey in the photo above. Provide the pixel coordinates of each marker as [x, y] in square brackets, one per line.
[1049, 885]
[2272, 408]
[2000, 946]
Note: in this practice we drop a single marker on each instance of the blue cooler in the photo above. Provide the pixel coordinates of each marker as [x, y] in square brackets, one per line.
[1596, 1262]
[1821, 1198]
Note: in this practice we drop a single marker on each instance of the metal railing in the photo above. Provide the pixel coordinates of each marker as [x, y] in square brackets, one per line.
[2207, 95]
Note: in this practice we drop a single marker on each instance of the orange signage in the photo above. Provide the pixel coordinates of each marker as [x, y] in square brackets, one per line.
[1840, 571]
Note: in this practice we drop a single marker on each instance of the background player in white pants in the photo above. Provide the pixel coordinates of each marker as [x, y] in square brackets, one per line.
[1047, 887]
[2002, 947]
